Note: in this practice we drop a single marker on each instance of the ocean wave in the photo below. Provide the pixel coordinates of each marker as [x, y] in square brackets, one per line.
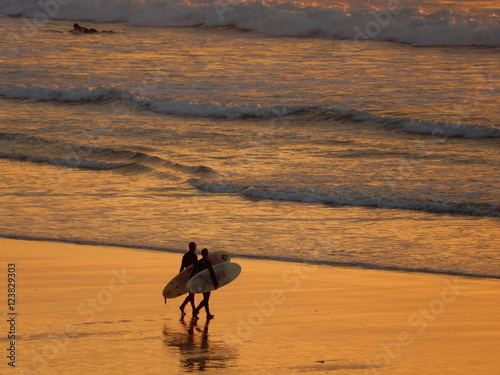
[193, 108]
[416, 126]
[166, 106]
[410, 25]
[64, 162]
[70, 95]
[34, 149]
[23, 138]
[354, 198]
[153, 161]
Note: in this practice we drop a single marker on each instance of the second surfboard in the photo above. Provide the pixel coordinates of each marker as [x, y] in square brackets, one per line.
[224, 273]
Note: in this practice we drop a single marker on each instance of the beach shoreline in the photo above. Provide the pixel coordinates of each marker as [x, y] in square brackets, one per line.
[82, 308]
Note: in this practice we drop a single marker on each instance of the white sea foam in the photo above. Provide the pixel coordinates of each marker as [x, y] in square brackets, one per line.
[408, 25]
[353, 198]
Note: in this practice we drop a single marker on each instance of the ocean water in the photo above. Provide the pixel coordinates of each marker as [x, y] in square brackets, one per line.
[348, 133]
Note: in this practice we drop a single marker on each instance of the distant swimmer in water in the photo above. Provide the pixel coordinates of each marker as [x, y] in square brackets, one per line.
[85, 30]
[82, 29]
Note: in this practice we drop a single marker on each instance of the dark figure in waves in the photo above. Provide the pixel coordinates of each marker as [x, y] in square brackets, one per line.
[85, 30]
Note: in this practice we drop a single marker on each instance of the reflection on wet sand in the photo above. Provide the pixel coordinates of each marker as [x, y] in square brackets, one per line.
[197, 351]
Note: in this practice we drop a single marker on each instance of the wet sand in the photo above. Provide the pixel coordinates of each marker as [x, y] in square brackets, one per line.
[93, 309]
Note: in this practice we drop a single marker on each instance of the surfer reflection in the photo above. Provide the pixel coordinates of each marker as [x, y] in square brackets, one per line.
[197, 351]
[199, 266]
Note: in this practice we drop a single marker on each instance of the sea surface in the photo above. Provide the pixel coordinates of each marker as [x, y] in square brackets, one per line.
[356, 133]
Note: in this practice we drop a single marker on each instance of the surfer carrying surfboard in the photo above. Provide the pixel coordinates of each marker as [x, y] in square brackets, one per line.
[199, 266]
[188, 259]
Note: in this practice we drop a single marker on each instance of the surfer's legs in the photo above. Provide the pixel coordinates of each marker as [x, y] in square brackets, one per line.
[191, 296]
[188, 299]
[206, 298]
[204, 303]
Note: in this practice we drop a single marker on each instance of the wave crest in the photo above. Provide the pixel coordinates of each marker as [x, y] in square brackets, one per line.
[353, 198]
[166, 105]
[65, 162]
[416, 126]
[170, 106]
[396, 23]
[33, 149]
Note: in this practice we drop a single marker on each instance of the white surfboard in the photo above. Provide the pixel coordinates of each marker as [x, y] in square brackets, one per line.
[177, 286]
[224, 273]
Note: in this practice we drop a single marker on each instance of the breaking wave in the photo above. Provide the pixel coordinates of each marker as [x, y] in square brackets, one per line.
[396, 23]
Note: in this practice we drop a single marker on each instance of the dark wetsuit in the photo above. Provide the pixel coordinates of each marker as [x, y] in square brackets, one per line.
[199, 266]
[188, 259]
[202, 265]
[85, 30]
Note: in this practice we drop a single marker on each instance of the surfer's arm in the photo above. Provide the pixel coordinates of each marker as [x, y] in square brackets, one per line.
[183, 266]
[212, 274]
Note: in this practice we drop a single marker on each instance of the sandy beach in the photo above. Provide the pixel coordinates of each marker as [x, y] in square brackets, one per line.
[92, 309]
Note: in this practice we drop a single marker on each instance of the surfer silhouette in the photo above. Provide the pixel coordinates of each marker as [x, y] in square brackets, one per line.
[82, 29]
[86, 30]
[199, 266]
[188, 259]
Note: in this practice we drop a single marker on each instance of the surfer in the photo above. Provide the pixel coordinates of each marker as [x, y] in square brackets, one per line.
[188, 259]
[85, 30]
[199, 266]
[82, 29]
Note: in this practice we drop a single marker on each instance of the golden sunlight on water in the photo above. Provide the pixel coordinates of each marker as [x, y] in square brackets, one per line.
[184, 108]
[321, 160]
[380, 78]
